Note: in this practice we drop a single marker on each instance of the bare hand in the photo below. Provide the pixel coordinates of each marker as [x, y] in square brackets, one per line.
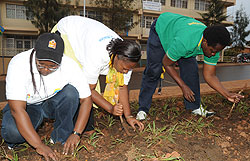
[188, 93]
[117, 110]
[71, 144]
[132, 122]
[46, 152]
[234, 97]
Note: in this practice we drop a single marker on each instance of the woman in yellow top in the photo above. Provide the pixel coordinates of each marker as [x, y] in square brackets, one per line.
[100, 51]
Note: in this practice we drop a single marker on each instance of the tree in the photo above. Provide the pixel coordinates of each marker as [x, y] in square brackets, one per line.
[239, 32]
[215, 14]
[117, 14]
[44, 14]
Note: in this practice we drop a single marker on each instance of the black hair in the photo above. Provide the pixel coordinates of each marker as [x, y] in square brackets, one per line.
[217, 34]
[32, 74]
[124, 49]
[31, 71]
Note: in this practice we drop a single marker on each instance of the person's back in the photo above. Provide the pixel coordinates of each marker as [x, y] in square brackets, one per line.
[87, 37]
[175, 32]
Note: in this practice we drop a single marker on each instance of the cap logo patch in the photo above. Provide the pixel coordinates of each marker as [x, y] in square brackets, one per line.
[52, 44]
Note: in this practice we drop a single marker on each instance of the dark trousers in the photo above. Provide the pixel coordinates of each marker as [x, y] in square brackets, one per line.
[61, 107]
[189, 73]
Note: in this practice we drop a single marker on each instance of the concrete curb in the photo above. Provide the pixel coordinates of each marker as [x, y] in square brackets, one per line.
[175, 91]
[141, 69]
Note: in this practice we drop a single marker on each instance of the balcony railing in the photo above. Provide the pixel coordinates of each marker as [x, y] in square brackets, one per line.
[10, 52]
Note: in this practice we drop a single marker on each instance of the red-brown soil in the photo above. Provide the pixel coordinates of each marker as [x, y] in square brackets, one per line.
[170, 132]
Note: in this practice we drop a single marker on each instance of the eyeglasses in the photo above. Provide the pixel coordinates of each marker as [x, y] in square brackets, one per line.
[52, 69]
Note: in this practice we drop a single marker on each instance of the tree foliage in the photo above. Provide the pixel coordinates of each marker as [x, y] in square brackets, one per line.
[44, 14]
[117, 14]
[215, 14]
[239, 31]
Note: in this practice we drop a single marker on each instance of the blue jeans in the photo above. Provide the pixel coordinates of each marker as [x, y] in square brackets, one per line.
[61, 107]
[188, 71]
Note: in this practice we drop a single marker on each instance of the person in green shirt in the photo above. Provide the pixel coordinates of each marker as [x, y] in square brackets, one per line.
[177, 38]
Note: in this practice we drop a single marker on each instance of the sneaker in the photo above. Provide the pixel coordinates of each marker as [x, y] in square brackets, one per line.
[51, 141]
[201, 111]
[141, 115]
[10, 148]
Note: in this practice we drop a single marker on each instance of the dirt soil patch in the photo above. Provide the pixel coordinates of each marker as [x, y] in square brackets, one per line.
[171, 133]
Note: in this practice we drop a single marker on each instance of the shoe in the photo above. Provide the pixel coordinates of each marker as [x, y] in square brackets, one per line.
[141, 115]
[201, 111]
[51, 141]
[10, 148]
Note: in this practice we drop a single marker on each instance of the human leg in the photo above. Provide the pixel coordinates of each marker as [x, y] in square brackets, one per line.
[62, 107]
[9, 130]
[153, 70]
[189, 73]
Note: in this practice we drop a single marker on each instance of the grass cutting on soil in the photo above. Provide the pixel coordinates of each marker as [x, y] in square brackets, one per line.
[171, 133]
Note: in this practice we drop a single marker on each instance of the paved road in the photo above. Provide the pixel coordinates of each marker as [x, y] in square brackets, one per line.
[224, 73]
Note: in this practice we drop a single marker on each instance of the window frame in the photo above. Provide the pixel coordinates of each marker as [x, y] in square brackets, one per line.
[201, 5]
[179, 3]
[14, 11]
[93, 15]
[146, 21]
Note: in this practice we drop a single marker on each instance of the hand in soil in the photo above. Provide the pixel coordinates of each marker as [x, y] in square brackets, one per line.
[235, 97]
[71, 144]
[47, 152]
[117, 110]
[132, 122]
[188, 93]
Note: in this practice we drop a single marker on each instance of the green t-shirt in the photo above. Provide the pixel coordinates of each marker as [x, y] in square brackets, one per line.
[181, 37]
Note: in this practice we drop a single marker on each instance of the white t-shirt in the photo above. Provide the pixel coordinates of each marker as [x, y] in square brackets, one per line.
[89, 39]
[19, 81]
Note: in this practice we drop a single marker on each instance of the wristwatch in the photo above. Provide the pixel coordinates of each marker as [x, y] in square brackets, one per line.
[76, 133]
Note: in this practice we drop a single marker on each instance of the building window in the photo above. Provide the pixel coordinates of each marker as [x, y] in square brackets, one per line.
[163, 2]
[93, 14]
[160, 1]
[147, 21]
[201, 5]
[10, 43]
[15, 44]
[15, 11]
[179, 3]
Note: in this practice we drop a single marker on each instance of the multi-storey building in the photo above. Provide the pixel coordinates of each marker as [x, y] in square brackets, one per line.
[20, 34]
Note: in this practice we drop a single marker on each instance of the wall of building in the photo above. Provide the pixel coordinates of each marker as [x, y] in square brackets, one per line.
[16, 26]
[22, 28]
[4, 62]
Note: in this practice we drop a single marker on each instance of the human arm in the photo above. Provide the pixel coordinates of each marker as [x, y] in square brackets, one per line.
[124, 100]
[26, 129]
[99, 100]
[81, 122]
[209, 73]
[169, 66]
